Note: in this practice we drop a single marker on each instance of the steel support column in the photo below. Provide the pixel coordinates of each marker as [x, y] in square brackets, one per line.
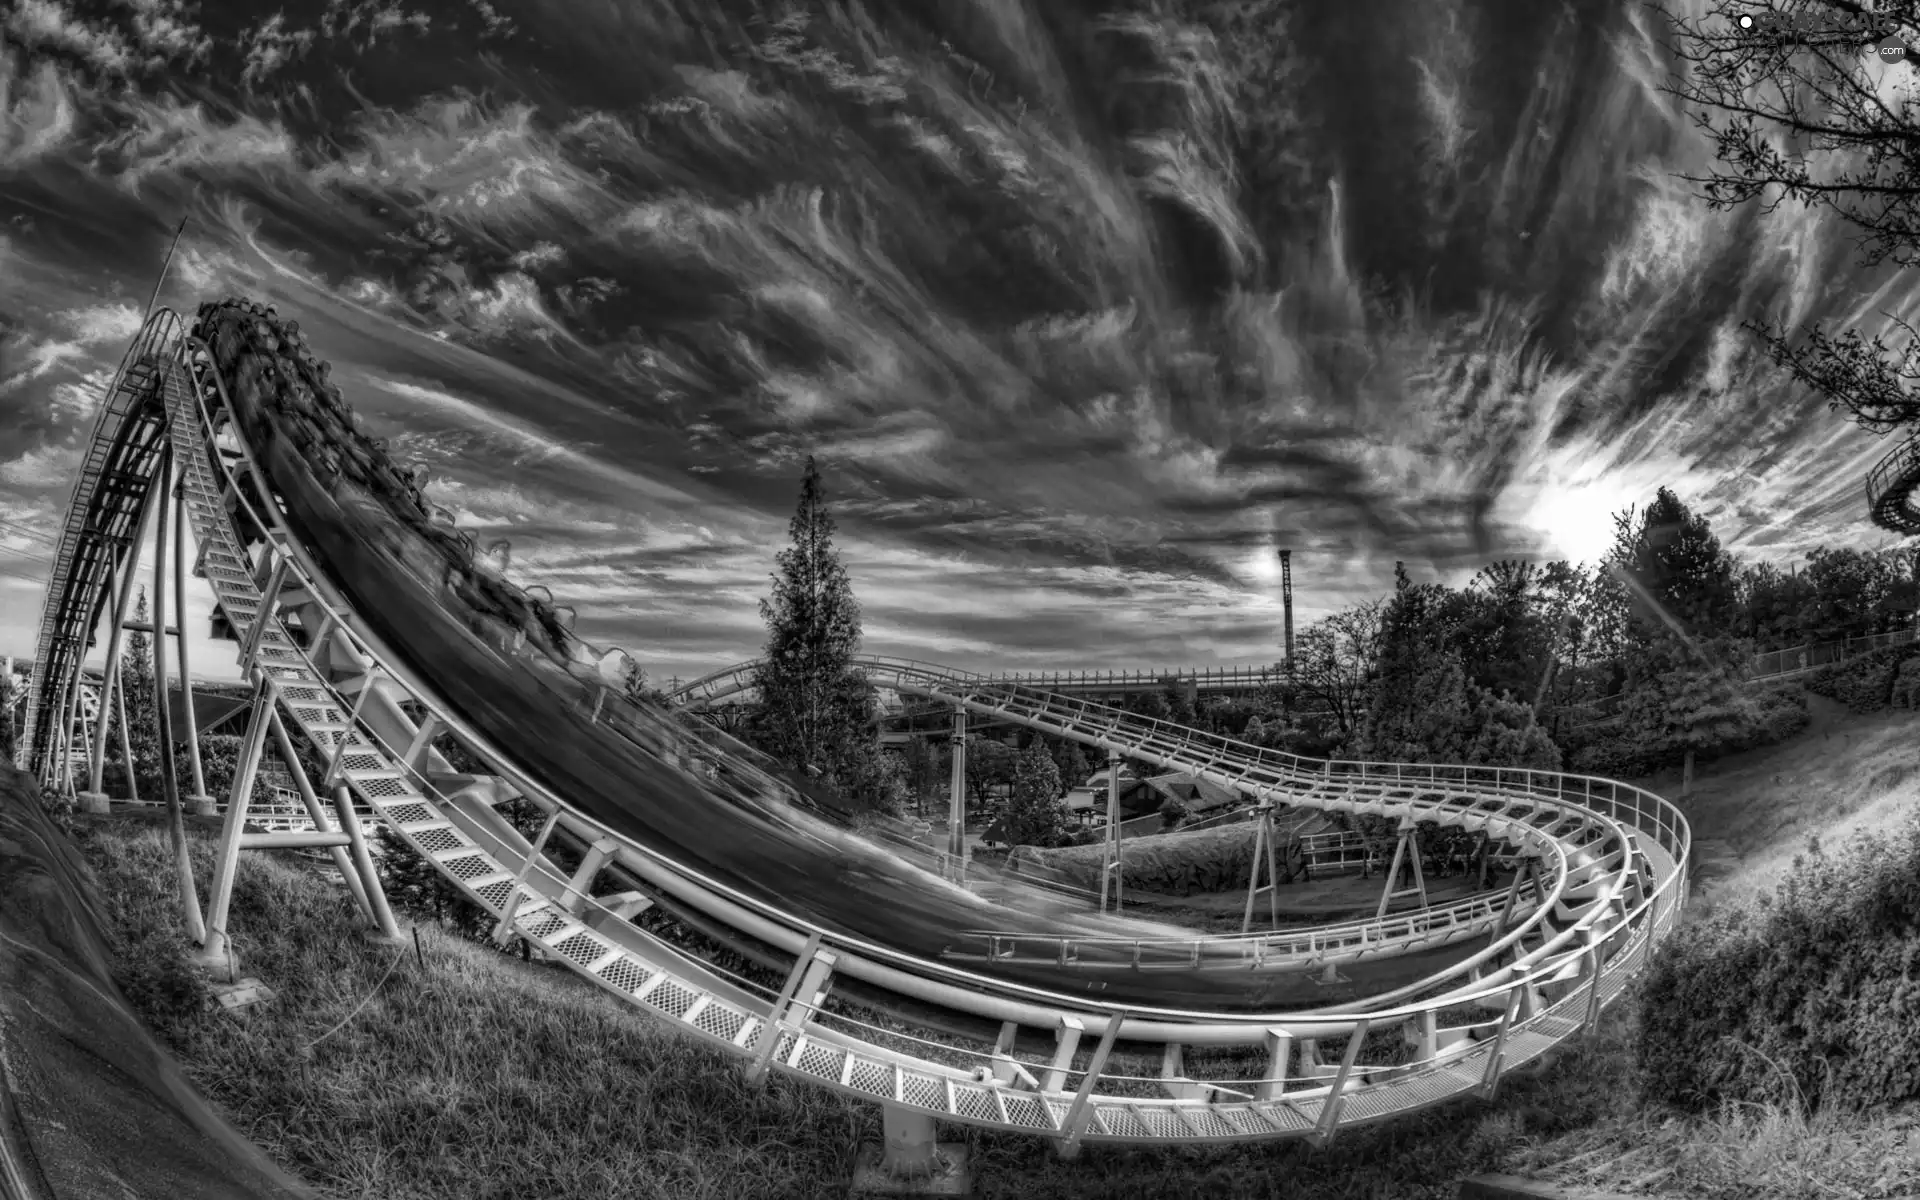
[1110, 867]
[169, 788]
[214, 946]
[202, 802]
[94, 799]
[957, 801]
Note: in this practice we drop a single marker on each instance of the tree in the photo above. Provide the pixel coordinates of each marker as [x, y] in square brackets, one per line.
[1509, 735]
[1152, 705]
[634, 686]
[990, 763]
[922, 771]
[1034, 814]
[12, 690]
[1426, 719]
[1074, 767]
[1334, 660]
[1676, 573]
[1795, 112]
[813, 708]
[143, 729]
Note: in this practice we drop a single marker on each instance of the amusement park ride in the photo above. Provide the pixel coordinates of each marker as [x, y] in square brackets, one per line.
[367, 627]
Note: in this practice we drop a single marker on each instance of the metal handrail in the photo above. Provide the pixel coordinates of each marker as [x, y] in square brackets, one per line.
[1077, 1114]
[322, 594]
[1661, 828]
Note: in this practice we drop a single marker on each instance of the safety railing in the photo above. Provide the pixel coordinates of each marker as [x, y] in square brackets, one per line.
[1342, 941]
[1890, 486]
[70, 603]
[1539, 1004]
[570, 688]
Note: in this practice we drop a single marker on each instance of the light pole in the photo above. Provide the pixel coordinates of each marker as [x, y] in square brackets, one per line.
[1286, 606]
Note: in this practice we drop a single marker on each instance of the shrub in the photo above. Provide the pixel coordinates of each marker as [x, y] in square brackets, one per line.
[1805, 995]
[1172, 812]
[1864, 684]
[1767, 717]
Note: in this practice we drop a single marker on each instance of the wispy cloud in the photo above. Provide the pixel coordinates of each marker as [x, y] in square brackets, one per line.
[1083, 321]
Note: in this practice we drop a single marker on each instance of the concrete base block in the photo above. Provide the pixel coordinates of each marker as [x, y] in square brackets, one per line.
[950, 1175]
[92, 802]
[238, 998]
[217, 960]
[201, 806]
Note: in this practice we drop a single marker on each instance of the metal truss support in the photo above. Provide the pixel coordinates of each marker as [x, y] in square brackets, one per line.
[1518, 1008]
[1110, 869]
[354, 862]
[1279, 1045]
[503, 930]
[1263, 849]
[1066, 1045]
[1329, 1121]
[957, 801]
[1527, 872]
[580, 887]
[806, 987]
[214, 944]
[200, 800]
[1073, 1126]
[94, 799]
[126, 738]
[163, 721]
[1406, 850]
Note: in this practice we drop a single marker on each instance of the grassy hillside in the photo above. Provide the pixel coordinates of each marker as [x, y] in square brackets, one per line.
[473, 1075]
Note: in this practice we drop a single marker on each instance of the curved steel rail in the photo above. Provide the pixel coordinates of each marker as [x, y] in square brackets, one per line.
[1890, 488]
[1541, 1001]
[861, 958]
[103, 518]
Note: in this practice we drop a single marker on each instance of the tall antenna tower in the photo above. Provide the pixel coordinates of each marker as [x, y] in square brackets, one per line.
[1286, 602]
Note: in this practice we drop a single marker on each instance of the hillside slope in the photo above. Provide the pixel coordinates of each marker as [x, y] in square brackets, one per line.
[1753, 811]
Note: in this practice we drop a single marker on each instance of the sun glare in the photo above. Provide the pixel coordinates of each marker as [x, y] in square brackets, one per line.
[1577, 520]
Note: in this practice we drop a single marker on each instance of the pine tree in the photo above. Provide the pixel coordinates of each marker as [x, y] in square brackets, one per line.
[1077, 768]
[634, 686]
[814, 708]
[143, 728]
[1509, 736]
[1034, 815]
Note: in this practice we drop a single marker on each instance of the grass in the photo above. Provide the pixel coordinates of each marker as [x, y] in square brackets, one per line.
[477, 1076]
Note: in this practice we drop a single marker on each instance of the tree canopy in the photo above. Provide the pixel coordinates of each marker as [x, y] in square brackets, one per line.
[814, 709]
[1795, 112]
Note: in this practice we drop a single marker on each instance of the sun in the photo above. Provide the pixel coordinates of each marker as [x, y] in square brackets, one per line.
[1577, 519]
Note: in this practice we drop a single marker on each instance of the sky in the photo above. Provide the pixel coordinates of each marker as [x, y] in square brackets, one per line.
[1085, 309]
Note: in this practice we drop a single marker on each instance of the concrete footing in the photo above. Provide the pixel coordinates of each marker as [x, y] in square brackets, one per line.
[201, 806]
[911, 1162]
[92, 802]
[216, 958]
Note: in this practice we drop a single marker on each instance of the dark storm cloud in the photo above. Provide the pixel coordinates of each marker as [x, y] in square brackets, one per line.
[1074, 362]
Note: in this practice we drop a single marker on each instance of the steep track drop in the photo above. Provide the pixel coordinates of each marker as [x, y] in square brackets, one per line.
[355, 593]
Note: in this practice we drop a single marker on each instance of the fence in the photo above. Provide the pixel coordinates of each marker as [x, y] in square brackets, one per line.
[1772, 663]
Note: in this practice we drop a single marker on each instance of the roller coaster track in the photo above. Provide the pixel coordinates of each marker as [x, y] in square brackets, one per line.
[229, 401]
[1890, 487]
